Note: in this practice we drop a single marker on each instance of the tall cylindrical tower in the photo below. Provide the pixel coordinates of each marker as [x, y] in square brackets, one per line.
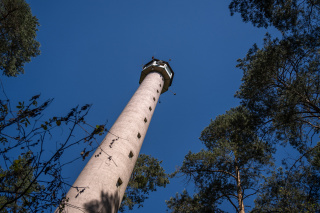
[103, 181]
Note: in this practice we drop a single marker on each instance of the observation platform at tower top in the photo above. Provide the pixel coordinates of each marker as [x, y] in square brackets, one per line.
[162, 67]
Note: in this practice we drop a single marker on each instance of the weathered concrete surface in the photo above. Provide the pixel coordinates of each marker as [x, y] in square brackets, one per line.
[99, 179]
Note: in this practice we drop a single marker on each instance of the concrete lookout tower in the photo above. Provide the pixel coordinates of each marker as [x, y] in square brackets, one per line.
[102, 183]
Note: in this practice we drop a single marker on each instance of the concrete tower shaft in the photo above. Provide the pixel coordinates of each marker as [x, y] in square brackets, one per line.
[102, 183]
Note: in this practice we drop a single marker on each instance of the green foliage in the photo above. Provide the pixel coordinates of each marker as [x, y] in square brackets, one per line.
[282, 14]
[187, 204]
[293, 191]
[146, 177]
[18, 29]
[236, 135]
[16, 180]
[23, 133]
[315, 156]
[281, 80]
[288, 16]
[230, 166]
[281, 85]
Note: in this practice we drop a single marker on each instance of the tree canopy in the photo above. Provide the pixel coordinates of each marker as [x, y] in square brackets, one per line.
[281, 85]
[229, 168]
[16, 180]
[288, 16]
[280, 100]
[293, 191]
[281, 80]
[34, 181]
[146, 177]
[18, 44]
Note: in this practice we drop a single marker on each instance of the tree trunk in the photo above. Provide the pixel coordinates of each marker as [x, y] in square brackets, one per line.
[239, 191]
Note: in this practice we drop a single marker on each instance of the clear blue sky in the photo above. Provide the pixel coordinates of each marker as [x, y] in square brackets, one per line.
[92, 52]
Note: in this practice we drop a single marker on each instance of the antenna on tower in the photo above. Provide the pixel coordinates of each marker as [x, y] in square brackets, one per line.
[172, 92]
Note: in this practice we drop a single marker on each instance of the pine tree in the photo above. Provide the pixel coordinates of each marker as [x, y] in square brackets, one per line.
[229, 168]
